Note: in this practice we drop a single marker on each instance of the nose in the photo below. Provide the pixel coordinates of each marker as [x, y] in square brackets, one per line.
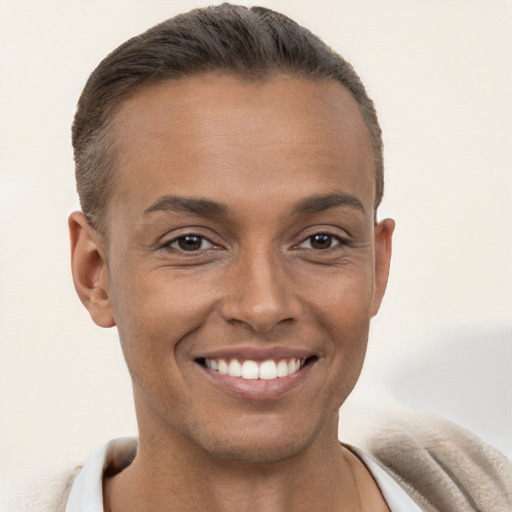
[260, 294]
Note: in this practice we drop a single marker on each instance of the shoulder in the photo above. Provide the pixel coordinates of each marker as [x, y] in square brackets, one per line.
[442, 466]
[78, 488]
[41, 492]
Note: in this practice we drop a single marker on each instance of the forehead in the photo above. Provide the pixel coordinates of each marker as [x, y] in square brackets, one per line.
[200, 133]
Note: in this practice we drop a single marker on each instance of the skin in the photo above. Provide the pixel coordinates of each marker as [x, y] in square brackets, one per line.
[257, 281]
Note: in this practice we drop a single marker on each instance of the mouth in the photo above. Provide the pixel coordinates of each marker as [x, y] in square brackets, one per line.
[250, 369]
[257, 378]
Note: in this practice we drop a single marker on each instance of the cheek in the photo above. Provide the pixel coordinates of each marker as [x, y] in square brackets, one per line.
[342, 297]
[341, 305]
[154, 310]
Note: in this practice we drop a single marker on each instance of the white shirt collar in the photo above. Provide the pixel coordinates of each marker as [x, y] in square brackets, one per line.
[396, 497]
[87, 491]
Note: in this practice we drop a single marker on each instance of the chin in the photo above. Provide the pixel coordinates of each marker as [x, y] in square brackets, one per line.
[257, 449]
[268, 439]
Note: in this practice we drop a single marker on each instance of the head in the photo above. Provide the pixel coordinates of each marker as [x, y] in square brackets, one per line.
[237, 166]
[253, 44]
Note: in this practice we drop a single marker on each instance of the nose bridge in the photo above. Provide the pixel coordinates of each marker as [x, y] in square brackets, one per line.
[261, 290]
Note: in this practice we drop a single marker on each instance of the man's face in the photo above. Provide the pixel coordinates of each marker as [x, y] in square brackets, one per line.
[242, 228]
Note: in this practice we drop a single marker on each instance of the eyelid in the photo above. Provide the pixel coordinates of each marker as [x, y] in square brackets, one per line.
[335, 232]
[337, 241]
[189, 231]
[176, 240]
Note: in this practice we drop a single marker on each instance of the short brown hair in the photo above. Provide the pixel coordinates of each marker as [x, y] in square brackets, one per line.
[251, 42]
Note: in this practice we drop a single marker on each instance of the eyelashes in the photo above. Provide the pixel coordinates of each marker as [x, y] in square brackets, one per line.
[195, 243]
[321, 241]
[190, 243]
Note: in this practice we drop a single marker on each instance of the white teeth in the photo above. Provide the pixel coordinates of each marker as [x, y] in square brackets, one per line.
[234, 368]
[223, 367]
[251, 370]
[268, 370]
[282, 369]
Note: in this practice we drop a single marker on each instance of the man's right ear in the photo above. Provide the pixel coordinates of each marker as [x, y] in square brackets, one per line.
[90, 271]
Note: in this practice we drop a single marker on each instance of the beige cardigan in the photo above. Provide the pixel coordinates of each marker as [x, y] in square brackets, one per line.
[444, 468]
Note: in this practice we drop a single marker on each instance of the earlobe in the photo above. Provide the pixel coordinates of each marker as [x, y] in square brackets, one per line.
[90, 271]
[383, 238]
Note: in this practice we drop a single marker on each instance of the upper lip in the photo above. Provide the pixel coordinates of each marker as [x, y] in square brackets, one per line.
[257, 353]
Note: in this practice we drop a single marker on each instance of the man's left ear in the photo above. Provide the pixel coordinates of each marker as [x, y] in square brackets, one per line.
[383, 235]
[90, 270]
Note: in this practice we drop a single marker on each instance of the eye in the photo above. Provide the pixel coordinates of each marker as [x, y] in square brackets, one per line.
[320, 241]
[190, 243]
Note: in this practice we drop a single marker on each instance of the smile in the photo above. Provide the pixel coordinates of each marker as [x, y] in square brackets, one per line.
[251, 370]
[257, 374]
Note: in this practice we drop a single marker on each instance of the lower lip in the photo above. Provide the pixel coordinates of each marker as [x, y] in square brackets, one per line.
[258, 389]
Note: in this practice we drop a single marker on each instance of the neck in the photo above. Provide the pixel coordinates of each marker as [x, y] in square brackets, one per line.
[174, 474]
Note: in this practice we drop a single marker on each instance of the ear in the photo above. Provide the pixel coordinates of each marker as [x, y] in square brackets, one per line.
[90, 271]
[383, 236]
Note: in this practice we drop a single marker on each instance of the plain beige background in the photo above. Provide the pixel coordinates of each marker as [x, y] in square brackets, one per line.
[440, 74]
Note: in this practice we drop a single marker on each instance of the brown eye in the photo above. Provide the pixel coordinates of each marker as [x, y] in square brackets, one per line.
[320, 241]
[190, 243]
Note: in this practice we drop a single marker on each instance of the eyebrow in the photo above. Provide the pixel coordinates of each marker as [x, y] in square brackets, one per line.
[323, 202]
[208, 208]
[197, 206]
